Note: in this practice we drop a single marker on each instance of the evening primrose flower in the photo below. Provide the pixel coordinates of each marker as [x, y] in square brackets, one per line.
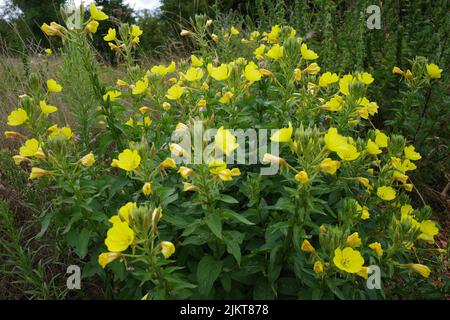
[37, 173]
[372, 148]
[112, 95]
[347, 152]
[283, 135]
[376, 246]
[348, 260]
[428, 230]
[328, 78]
[48, 51]
[168, 163]
[64, 132]
[13, 135]
[226, 98]
[147, 189]
[423, 270]
[260, 50]
[53, 29]
[163, 70]
[225, 141]
[297, 74]
[175, 92]
[234, 31]
[111, 36]
[17, 117]
[219, 73]
[302, 177]
[30, 148]
[307, 247]
[411, 154]
[140, 87]
[386, 193]
[119, 237]
[318, 267]
[185, 172]
[189, 187]
[308, 54]
[88, 160]
[124, 213]
[92, 27]
[106, 258]
[53, 86]
[216, 165]
[19, 159]
[433, 71]
[273, 35]
[252, 72]
[313, 68]
[381, 139]
[270, 158]
[365, 78]
[344, 84]
[334, 104]
[353, 240]
[333, 140]
[128, 160]
[196, 62]
[397, 70]
[178, 150]
[47, 109]
[136, 31]
[193, 74]
[364, 211]
[329, 166]
[276, 52]
[96, 13]
[167, 249]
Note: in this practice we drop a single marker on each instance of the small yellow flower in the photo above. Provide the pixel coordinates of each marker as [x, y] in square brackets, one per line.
[276, 52]
[283, 135]
[53, 29]
[136, 31]
[226, 98]
[167, 249]
[185, 172]
[112, 95]
[107, 257]
[353, 240]
[175, 92]
[166, 106]
[364, 272]
[376, 246]
[297, 74]
[433, 71]
[397, 70]
[17, 117]
[423, 270]
[48, 51]
[30, 148]
[196, 62]
[168, 163]
[189, 187]
[411, 154]
[270, 158]
[348, 260]
[252, 72]
[53, 86]
[111, 36]
[178, 150]
[381, 139]
[302, 177]
[328, 78]
[334, 104]
[308, 54]
[234, 31]
[219, 73]
[147, 189]
[313, 68]
[96, 13]
[119, 237]
[323, 229]
[128, 160]
[318, 267]
[88, 160]
[92, 26]
[37, 173]
[13, 135]
[307, 247]
[225, 141]
[47, 109]
[409, 75]
[428, 230]
[365, 78]
[372, 148]
[141, 86]
[386, 193]
[193, 74]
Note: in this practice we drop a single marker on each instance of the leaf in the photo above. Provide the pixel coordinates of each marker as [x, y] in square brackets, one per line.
[214, 222]
[227, 199]
[83, 243]
[208, 270]
[236, 216]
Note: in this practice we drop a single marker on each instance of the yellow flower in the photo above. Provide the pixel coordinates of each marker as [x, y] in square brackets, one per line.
[365, 78]
[283, 135]
[234, 31]
[168, 163]
[226, 98]
[364, 272]
[219, 73]
[196, 62]
[92, 26]
[260, 50]
[17, 117]
[53, 29]
[193, 74]
[136, 31]
[276, 52]
[345, 82]
[397, 70]
[46, 109]
[48, 51]
[353, 240]
[30, 148]
[372, 148]
[381, 139]
[328, 78]
[96, 13]
[428, 230]
[38, 173]
[433, 71]
[175, 92]
[225, 141]
[19, 159]
[141, 86]
[111, 36]
[347, 152]
[214, 37]
[125, 213]
[13, 135]
[128, 160]
[313, 68]
[411, 154]
[323, 229]
[107, 257]
[216, 165]
[147, 189]
[364, 212]
[386, 193]
[189, 187]
[330, 166]
[348, 260]
[272, 37]
[270, 158]
[308, 54]
[297, 74]
[333, 140]
[334, 104]
[162, 70]
[53, 86]
[302, 177]
[252, 72]
[186, 33]
[119, 237]
[64, 132]
[377, 247]
[307, 247]
[185, 172]
[167, 249]
[112, 95]
[318, 267]
[423, 270]
[88, 160]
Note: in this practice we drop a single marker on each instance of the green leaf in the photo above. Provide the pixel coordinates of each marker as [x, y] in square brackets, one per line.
[227, 199]
[236, 216]
[83, 243]
[214, 222]
[208, 270]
